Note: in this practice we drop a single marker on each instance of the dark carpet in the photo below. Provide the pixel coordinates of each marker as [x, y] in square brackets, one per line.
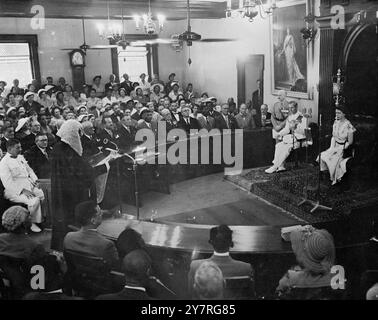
[286, 189]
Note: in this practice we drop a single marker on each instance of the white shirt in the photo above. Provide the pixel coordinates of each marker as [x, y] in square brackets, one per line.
[145, 87]
[16, 175]
[110, 101]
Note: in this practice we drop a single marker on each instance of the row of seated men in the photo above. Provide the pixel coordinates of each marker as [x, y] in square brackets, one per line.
[129, 256]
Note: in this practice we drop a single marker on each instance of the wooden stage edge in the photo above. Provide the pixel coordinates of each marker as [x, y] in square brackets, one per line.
[194, 238]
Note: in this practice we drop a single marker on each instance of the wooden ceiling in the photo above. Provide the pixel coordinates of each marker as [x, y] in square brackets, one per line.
[97, 9]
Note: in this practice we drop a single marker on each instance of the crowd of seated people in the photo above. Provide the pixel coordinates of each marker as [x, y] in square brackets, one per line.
[42, 108]
[131, 266]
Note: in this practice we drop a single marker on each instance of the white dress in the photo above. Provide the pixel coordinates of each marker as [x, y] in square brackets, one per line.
[332, 158]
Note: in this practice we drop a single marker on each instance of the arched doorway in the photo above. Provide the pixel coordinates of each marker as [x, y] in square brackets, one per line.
[361, 71]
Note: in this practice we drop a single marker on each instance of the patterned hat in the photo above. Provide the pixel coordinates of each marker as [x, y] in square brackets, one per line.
[314, 249]
[14, 217]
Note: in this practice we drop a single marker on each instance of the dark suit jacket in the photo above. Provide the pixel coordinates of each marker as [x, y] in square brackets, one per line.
[128, 86]
[38, 162]
[89, 147]
[3, 144]
[257, 101]
[246, 123]
[105, 140]
[174, 118]
[193, 124]
[125, 294]
[126, 137]
[228, 266]
[35, 106]
[91, 243]
[21, 246]
[27, 142]
[207, 123]
[143, 125]
[221, 124]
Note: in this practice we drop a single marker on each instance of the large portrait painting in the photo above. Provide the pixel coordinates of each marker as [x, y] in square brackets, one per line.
[289, 51]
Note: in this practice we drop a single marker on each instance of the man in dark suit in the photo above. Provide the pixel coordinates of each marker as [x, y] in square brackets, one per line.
[88, 142]
[107, 137]
[136, 266]
[167, 117]
[225, 120]
[176, 116]
[244, 119]
[127, 84]
[8, 134]
[146, 121]
[111, 83]
[186, 122]
[207, 121]
[221, 240]
[257, 101]
[38, 157]
[28, 140]
[87, 240]
[126, 132]
[30, 105]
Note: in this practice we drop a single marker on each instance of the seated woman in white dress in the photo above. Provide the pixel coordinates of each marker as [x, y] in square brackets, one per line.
[342, 137]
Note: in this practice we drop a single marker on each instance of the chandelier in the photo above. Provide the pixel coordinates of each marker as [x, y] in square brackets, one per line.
[149, 25]
[250, 9]
[112, 31]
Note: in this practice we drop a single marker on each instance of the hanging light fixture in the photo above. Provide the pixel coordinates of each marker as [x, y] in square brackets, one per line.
[250, 9]
[149, 25]
[111, 30]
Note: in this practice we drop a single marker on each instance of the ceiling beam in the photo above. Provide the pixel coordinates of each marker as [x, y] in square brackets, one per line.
[97, 9]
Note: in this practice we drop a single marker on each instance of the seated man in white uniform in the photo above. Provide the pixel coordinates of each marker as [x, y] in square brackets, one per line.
[20, 182]
[293, 131]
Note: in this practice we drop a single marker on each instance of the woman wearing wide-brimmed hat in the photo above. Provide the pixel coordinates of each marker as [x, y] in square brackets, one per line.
[138, 95]
[157, 92]
[314, 251]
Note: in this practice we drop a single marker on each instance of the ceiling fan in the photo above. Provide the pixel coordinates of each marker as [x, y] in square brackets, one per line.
[189, 37]
[84, 47]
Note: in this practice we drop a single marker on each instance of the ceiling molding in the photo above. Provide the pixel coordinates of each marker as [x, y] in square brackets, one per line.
[97, 9]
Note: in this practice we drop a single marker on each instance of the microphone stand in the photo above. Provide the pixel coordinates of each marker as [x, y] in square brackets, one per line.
[135, 165]
[316, 204]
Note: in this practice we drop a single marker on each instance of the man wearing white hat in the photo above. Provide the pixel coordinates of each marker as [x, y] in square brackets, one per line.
[29, 103]
[20, 182]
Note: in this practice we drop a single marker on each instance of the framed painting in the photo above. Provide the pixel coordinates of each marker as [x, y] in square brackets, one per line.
[290, 54]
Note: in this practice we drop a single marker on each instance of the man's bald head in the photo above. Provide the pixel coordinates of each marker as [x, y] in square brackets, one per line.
[282, 95]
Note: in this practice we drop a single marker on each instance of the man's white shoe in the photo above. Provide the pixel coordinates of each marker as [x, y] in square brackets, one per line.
[271, 169]
[280, 169]
[35, 228]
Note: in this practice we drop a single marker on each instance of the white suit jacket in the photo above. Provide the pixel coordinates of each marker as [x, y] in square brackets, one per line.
[16, 175]
[299, 132]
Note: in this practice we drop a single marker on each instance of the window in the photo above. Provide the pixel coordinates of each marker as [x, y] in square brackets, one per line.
[15, 63]
[133, 61]
[19, 58]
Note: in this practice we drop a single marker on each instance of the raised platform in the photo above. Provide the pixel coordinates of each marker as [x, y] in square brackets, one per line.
[286, 190]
